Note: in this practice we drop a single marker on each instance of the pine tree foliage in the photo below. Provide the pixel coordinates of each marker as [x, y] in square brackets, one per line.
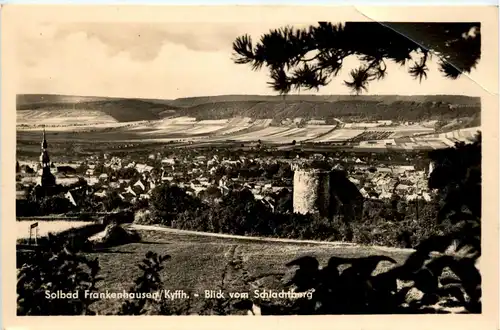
[310, 58]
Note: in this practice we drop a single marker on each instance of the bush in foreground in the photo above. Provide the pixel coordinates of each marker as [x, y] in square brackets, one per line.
[425, 283]
[55, 269]
[145, 285]
[115, 235]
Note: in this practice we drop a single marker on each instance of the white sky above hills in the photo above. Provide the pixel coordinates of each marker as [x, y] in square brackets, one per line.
[176, 60]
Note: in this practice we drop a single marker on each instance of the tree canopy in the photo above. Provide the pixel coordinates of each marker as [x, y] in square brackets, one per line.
[309, 58]
[457, 175]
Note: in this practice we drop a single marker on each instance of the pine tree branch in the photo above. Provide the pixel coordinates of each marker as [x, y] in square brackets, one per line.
[285, 49]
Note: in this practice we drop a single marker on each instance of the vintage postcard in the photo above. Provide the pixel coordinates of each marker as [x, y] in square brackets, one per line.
[311, 164]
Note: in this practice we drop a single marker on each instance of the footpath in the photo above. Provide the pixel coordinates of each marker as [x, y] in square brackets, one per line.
[264, 239]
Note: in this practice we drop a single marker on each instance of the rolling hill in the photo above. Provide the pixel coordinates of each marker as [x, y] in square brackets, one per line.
[343, 109]
[449, 99]
[121, 110]
[33, 108]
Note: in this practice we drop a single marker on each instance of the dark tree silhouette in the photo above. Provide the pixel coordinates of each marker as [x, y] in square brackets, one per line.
[309, 58]
[148, 282]
[457, 176]
[113, 201]
[55, 268]
[169, 200]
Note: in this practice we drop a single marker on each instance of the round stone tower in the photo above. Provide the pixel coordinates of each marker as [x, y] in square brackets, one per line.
[311, 191]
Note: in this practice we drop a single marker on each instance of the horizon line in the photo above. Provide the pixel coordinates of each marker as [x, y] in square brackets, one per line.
[261, 95]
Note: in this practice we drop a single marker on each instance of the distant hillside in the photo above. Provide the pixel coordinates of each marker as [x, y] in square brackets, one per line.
[448, 99]
[347, 110]
[440, 107]
[32, 99]
[122, 110]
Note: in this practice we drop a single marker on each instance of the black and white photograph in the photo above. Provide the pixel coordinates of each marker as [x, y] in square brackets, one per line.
[252, 167]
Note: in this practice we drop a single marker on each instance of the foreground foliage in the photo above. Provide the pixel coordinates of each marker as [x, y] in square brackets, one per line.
[440, 277]
[309, 58]
[146, 284]
[55, 268]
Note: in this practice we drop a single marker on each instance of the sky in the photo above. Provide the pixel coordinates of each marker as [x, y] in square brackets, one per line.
[167, 60]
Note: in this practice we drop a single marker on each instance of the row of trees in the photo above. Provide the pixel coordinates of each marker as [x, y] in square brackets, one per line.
[248, 170]
[393, 222]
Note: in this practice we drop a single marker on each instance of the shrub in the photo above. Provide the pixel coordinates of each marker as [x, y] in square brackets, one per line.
[425, 283]
[147, 283]
[167, 201]
[26, 208]
[143, 217]
[140, 204]
[113, 201]
[51, 270]
[125, 216]
[54, 205]
[115, 234]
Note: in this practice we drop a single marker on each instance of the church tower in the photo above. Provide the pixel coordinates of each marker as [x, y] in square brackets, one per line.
[47, 178]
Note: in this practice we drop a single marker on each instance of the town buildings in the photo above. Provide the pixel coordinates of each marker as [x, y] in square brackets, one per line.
[209, 174]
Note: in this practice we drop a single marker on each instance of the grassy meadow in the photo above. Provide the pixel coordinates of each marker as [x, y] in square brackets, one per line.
[201, 263]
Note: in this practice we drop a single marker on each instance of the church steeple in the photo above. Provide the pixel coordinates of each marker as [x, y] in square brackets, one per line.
[44, 156]
[47, 178]
[44, 140]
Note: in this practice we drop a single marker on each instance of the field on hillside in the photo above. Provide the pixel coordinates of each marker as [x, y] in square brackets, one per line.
[62, 117]
[198, 263]
[186, 130]
[425, 142]
[238, 129]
